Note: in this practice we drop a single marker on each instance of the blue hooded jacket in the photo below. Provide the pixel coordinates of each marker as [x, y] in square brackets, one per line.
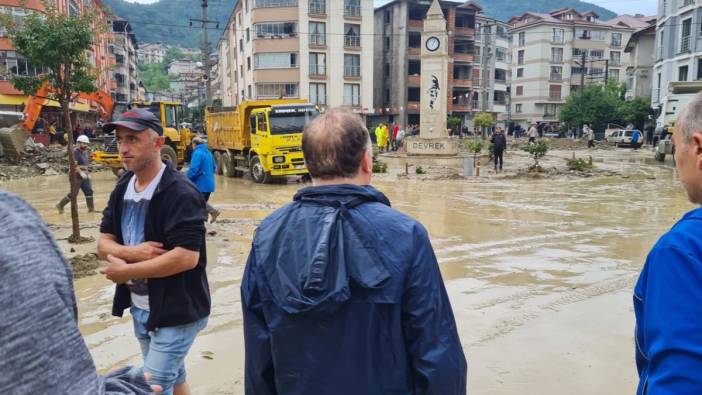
[668, 307]
[202, 169]
[343, 295]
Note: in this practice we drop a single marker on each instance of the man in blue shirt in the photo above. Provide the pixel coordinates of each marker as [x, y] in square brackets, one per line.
[668, 294]
[201, 173]
[341, 293]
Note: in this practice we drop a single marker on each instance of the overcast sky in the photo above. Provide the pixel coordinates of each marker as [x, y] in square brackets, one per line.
[647, 7]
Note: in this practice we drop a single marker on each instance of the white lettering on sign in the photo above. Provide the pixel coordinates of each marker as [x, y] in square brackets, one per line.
[428, 146]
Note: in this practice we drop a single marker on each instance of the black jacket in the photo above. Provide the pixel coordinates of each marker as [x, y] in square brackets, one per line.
[500, 141]
[176, 218]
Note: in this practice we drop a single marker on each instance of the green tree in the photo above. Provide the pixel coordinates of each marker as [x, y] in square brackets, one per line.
[537, 150]
[636, 111]
[172, 53]
[154, 77]
[483, 120]
[58, 43]
[596, 105]
[453, 123]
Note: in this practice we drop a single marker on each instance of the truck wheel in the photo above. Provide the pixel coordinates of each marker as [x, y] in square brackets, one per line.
[218, 162]
[659, 157]
[169, 154]
[228, 165]
[258, 174]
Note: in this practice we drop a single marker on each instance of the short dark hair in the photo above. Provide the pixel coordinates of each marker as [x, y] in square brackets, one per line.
[334, 144]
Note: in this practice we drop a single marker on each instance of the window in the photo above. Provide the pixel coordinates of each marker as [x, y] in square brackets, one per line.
[615, 58]
[352, 95]
[597, 53]
[558, 36]
[413, 94]
[241, 71]
[276, 90]
[499, 97]
[248, 63]
[520, 91]
[318, 63]
[682, 73]
[501, 32]
[249, 89]
[318, 93]
[414, 67]
[580, 52]
[518, 108]
[318, 33]
[13, 64]
[582, 34]
[248, 35]
[241, 45]
[520, 57]
[556, 73]
[386, 45]
[520, 72]
[386, 70]
[273, 29]
[500, 54]
[246, 8]
[415, 40]
[352, 8]
[500, 75]
[598, 35]
[685, 39]
[556, 55]
[388, 16]
[352, 35]
[614, 74]
[352, 65]
[550, 110]
[73, 9]
[616, 40]
[699, 68]
[274, 3]
[522, 38]
[318, 7]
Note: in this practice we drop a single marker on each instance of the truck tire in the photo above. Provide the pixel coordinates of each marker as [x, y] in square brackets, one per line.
[168, 153]
[228, 165]
[218, 162]
[258, 174]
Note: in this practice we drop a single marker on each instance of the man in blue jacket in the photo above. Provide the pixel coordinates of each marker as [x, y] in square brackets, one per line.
[343, 294]
[668, 295]
[201, 173]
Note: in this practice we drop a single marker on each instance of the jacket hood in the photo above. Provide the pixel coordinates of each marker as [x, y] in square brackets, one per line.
[316, 252]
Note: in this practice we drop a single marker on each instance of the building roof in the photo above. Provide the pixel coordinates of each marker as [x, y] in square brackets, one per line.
[633, 21]
[442, 2]
[649, 30]
[622, 21]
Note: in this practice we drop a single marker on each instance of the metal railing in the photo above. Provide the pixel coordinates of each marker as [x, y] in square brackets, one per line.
[319, 39]
[352, 71]
[555, 77]
[557, 59]
[352, 41]
[352, 10]
[554, 96]
[318, 7]
[557, 40]
[317, 69]
[685, 44]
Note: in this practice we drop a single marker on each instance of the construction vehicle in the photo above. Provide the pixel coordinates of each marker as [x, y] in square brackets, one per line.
[178, 138]
[679, 94]
[12, 138]
[262, 138]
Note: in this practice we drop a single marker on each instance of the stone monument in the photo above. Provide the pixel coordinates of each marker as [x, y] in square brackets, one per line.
[433, 137]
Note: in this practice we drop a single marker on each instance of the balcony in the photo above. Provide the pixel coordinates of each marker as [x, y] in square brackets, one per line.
[352, 42]
[462, 57]
[615, 63]
[318, 40]
[352, 11]
[414, 51]
[554, 96]
[318, 8]
[460, 82]
[461, 106]
[616, 44]
[464, 32]
[352, 71]
[415, 24]
[500, 80]
[554, 77]
[557, 41]
[317, 70]
[685, 44]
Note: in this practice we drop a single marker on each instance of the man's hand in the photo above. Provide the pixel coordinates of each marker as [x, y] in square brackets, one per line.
[157, 389]
[117, 270]
[145, 251]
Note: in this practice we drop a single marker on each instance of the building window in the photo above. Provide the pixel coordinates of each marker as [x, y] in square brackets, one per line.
[682, 73]
[241, 45]
[318, 7]
[274, 3]
[699, 68]
[520, 72]
[582, 34]
[275, 29]
[520, 57]
[556, 73]
[352, 95]
[414, 67]
[248, 35]
[318, 63]
[685, 38]
[386, 46]
[274, 60]
[352, 8]
[522, 38]
[13, 64]
[518, 108]
[249, 89]
[556, 55]
[500, 75]
[386, 70]
[73, 9]
[388, 16]
[550, 110]
[598, 35]
[520, 91]
[558, 36]
[415, 40]
[413, 94]
[500, 54]
[579, 52]
[352, 35]
[241, 71]
[276, 90]
[318, 33]
[616, 40]
[614, 75]
[352, 65]
[248, 63]
[318, 94]
[499, 97]
[615, 58]
[597, 53]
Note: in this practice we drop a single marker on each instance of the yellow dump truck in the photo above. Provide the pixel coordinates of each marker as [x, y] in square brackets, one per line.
[177, 138]
[262, 137]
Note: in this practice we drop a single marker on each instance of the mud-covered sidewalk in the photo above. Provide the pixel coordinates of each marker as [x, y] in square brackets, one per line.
[539, 270]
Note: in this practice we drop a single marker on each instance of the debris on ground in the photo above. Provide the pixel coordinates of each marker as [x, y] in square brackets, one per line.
[84, 265]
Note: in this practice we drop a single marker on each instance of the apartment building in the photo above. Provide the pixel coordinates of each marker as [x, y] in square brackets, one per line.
[320, 50]
[151, 53]
[547, 55]
[398, 28]
[123, 50]
[678, 48]
[491, 94]
[639, 73]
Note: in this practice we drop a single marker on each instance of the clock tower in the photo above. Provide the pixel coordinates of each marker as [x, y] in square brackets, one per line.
[434, 75]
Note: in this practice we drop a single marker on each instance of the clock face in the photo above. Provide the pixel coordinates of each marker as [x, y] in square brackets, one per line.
[433, 44]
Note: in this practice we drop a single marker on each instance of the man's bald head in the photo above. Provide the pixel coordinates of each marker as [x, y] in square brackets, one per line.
[334, 144]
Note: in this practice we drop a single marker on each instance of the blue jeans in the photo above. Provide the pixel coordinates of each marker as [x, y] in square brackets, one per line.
[164, 349]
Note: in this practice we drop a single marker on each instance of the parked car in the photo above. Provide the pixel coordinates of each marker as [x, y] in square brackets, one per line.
[622, 138]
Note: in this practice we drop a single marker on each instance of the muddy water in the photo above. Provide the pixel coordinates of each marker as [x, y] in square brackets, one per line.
[539, 273]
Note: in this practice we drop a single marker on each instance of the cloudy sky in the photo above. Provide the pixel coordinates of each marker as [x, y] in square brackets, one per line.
[647, 7]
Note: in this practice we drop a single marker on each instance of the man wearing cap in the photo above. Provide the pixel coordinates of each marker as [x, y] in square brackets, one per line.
[153, 235]
[82, 159]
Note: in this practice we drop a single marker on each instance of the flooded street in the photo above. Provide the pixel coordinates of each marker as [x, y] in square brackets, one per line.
[539, 271]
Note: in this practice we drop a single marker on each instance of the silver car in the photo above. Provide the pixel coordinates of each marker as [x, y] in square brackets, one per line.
[622, 138]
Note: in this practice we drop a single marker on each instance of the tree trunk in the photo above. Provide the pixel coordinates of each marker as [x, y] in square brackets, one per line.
[72, 177]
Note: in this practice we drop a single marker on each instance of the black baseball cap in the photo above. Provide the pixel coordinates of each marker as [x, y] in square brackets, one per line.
[137, 120]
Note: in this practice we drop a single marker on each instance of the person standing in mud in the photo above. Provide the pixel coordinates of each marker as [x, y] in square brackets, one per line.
[668, 294]
[153, 235]
[201, 173]
[499, 142]
[590, 135]
[341, 293]
[82, 157]
[533, 134]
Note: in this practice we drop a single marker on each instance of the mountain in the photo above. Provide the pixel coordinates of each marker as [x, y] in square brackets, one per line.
[168, 21]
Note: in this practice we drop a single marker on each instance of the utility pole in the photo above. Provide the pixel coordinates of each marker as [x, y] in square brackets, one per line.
[606, 71]
[485, 80]
[582, 76]
[206, 50]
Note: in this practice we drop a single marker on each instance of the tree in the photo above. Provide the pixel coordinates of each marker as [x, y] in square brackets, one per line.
[57, 43]
[597, 105]
[636, 111]
[172, 53]
[453, 123]
[483, 120]
[154, 77]
[538, 150]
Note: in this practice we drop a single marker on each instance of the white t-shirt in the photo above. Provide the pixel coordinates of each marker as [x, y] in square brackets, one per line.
[134, 212]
